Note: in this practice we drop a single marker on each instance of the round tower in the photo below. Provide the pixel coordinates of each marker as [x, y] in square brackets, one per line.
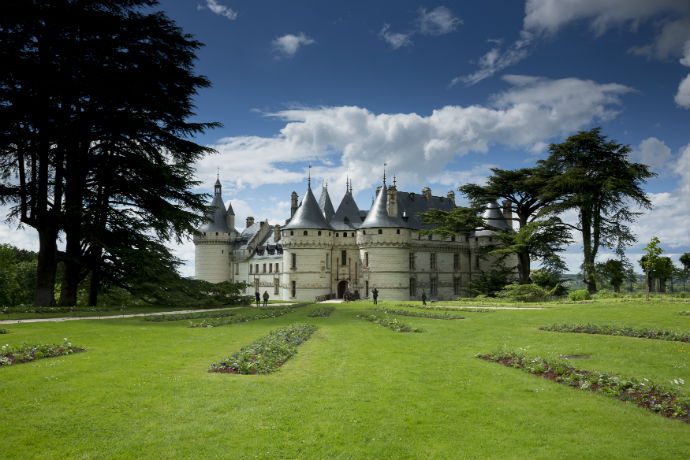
[213, 242]
[384, 244]
[307, 247]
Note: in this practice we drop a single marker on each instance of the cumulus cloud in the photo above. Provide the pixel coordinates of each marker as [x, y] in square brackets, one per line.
[217, 8]
[546, 17]
[288, 45]
[351, 139]
[652, 152]
[394, 39]
[439, 21]
[682, 97]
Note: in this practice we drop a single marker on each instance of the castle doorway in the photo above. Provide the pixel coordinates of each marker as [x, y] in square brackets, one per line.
[342, 287]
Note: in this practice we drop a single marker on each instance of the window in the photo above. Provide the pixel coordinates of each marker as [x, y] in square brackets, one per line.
[343, 257]
[380, 231]
[366, 288]
[476, 261]
[306, 233]
[293, 289]
[276, 286]
[237, 269]
[412, 261]
[366, 259]
[434, 287]
[327, 266]
[291, 233]
[431, 237]
[277, 268]
[264, 268]
[293, 261]
[337, 235]
[432, 261]
[397, 231]
[221, 251]
[452, 238]
[364, 232]
[456, 286]
[256, 269]
[413, 287]
[270, 268]
[319, 232]
[250, 269]
[344, 234]
[456, 261]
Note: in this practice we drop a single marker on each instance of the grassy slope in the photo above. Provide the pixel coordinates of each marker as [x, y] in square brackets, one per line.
[354, 390]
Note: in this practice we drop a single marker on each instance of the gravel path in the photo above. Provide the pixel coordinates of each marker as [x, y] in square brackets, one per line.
[131, 315]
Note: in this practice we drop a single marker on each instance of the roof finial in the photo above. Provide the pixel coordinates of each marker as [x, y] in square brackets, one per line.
[394, 182]
[309, 177]
[218, 173]
[384, 174]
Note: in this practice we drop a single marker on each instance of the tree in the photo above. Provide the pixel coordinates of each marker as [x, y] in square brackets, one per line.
[664, 272]
[593, 175]
[614, 271]
[649, 261]
[685, 270]
[105, 146]
[535, 238]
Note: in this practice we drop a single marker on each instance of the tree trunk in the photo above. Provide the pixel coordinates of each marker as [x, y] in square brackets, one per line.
[589, 279]
[46, 266]
[95, 277]
[524, 269]
[71, 276]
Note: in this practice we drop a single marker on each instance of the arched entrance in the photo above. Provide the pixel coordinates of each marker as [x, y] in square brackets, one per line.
[342, 287]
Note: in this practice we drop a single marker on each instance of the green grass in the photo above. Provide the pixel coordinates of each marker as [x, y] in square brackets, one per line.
[100, 311]
[352, 391]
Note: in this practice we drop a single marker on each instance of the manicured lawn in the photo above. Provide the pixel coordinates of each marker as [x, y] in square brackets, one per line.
[354, 389]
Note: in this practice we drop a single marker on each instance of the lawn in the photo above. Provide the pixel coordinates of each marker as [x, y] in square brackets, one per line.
[354, 389]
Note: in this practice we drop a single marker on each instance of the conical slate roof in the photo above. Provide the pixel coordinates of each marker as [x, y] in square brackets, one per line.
[216, 215]
[325, 204]
[494, 217]
[378, 214]
[347, 216]
[308, 215]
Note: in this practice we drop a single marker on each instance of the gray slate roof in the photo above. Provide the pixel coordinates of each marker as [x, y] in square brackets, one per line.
[308, 215]
[414, 204]
[347, 217]
[326, 205]
[216, 215]
[494, 217]
[378, 214]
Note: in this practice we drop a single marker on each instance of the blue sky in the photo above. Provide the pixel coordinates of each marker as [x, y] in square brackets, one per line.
[439, 91]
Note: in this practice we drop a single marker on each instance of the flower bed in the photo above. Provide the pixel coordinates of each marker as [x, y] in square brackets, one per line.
[4, 331]
[391, 323]
[197, 315]
[26, 353]
[267, 354]
[655, 334]
[322, 312]
[442, 308]
[263, 314]
[418, 314]
[641, 392]
[684, 313]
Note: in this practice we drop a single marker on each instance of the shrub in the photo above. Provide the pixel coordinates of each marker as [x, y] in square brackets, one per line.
[418, 314]
[655, 334]
[25, 353]
[642, 392]
[523, 292]
[196, 315]
[579, 295]
[262, 314]
[4, 331]
[267, 354]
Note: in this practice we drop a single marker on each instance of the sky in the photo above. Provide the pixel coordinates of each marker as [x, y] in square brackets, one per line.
[439, 91]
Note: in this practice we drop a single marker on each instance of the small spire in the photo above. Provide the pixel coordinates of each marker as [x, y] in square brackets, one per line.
[384, 174]
[218, 173]
[309, 177]
[394, 182]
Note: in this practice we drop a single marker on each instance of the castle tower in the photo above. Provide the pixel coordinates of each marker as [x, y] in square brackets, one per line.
[493, 216]
[326, 204]
[213, 242]
[346, 270]
[384, 245]
[307, 246]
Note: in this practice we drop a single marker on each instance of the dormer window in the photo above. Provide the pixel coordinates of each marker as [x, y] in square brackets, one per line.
[380, 231]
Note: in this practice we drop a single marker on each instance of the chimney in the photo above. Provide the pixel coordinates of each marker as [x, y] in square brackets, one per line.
[293, 204]
[451, 196]
[426, 193]
[508, 212]
[250, 221]
[392, 205]
[276, 233]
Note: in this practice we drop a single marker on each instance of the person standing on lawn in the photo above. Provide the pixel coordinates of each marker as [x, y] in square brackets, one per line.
[375, 295]
[266, 298]
[257, 296]
[423, 297]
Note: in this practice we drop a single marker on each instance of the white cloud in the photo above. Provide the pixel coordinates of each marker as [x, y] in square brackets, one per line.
[683, 94]
[289, 44]
[546, 17]
[439, 21]
[394, 39]
[531, 111]
[652, 152]
[217, 8]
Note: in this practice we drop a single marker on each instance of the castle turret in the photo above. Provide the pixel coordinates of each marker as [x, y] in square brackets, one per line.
[212, 243]
[325, 204]
[293, 203]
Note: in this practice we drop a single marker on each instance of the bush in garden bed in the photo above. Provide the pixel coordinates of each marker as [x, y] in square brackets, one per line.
[267, 354]
[322, 312]
[418, 314]
[684, 313]
[4, 331]
[391, 323]
[656, 334]
[263, 314]
[442, 308]
[642, 392]
[181, 316]
[26, 353]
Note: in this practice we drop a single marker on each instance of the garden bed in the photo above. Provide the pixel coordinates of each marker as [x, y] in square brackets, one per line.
[641, 392]
[391, 323]
[263, 314]
[418, 314]
[10, 355]
[654, 334]
[198, 315]
[267, 354]
[4, 331]
[321, 312]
